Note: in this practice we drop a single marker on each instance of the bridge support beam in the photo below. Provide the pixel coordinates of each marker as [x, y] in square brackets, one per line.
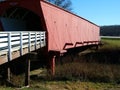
[27, 71]
[52, 57]
[52, 64]
[8, 72]
[29, 57]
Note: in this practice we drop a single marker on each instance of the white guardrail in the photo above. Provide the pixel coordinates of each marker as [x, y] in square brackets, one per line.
[17, 41]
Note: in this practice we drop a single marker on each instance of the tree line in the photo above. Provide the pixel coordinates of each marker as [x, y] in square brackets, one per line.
[112, 30]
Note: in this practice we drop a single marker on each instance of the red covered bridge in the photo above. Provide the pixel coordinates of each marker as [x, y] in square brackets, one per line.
[64, 30]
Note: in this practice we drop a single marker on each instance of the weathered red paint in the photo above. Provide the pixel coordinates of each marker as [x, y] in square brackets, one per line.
[64, 29]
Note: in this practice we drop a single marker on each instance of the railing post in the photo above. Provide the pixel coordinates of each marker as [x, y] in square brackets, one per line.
[9, 56]
[29, 41]
[21, 43]
[40, 39]
[44, 39]
[9, 47]
[35, 40]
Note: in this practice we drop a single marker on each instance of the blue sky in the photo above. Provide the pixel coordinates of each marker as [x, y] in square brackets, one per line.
[100, 12]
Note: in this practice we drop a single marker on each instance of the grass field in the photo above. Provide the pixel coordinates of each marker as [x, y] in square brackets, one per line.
[89, 70]
[67, 85]
[111, 42]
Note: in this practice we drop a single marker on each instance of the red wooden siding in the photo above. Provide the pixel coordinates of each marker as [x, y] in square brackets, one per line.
[64, 27]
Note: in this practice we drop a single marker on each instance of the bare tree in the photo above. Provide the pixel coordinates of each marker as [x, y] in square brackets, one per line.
[66, 4]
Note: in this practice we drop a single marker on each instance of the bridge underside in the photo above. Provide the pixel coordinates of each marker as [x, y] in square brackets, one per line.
[20, 19]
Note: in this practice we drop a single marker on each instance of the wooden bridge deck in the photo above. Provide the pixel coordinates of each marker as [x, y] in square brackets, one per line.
[16, 44]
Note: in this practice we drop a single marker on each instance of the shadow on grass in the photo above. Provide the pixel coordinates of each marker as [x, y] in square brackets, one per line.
[91, 65]
[103, 56]
[102, 65]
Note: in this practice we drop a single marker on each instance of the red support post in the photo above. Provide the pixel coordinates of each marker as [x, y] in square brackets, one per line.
[52, 65]
[52, 58]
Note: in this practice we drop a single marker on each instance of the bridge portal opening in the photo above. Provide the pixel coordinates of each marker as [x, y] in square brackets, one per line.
[20, 19]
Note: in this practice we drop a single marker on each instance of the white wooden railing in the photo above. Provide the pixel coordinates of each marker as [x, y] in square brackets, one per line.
[18, 41]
